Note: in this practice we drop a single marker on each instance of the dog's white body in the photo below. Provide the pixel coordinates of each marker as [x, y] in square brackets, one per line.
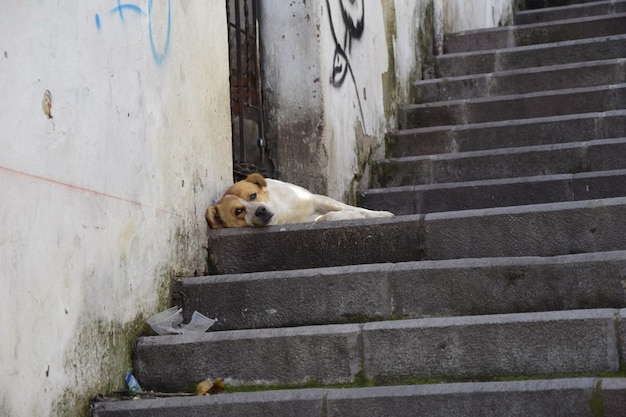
[294, 204]
[258, 201]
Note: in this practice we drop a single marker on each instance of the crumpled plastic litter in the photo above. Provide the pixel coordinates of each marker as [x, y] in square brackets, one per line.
[170, 321]
[133, 386]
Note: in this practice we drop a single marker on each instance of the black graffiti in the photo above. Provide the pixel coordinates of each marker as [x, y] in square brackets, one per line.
[353, 19]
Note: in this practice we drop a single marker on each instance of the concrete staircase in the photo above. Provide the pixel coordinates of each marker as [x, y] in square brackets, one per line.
[499, 290]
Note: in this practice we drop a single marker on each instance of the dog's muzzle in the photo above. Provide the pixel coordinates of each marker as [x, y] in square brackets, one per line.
[263, 214]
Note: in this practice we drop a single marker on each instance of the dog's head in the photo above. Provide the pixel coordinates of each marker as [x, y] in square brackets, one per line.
[242, 205]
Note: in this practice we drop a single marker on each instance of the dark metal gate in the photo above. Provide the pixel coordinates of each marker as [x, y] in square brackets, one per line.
[246, 100]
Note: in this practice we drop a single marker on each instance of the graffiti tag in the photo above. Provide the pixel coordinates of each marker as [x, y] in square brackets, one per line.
[160, 51]
[353, 19]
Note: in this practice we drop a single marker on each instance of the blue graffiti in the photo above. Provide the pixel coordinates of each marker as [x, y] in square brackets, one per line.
[160, 56]
[121, 7]
[158, 53]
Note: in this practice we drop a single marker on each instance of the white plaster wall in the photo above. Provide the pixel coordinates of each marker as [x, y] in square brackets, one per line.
[290, 33]
[354, 109]
[460, 15]
[102, 204]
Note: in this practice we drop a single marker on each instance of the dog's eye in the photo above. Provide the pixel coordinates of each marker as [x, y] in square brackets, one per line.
[238, 211]
[252, 197]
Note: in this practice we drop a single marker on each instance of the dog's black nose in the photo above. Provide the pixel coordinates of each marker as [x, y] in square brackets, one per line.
[260, 212]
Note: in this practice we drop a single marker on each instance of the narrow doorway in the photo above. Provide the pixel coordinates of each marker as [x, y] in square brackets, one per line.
[250, 150]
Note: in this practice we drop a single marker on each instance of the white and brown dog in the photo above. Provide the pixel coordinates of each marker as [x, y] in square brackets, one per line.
[258, 201]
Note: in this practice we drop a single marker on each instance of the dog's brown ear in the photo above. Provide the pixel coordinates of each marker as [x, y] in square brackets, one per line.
[257, 179]
[213, 218]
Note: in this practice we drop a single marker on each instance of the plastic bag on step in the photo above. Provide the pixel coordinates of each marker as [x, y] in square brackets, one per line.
[170, 321]
[199, 323]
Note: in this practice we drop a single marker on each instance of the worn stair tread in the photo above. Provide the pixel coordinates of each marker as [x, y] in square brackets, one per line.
[486, 346]
[408, 290]
[507, 133]
[521, 81]
[532, 230]
[570, 397]
[594, 8]
[430, 198]
[542, 4]
[591, 49]
[537, 33]
[518, 106]
[523, 161]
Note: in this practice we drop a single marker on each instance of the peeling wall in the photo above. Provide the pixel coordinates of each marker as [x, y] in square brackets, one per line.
[115, 136]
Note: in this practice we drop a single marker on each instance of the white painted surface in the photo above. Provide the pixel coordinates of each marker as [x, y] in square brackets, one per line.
[460, 15]
[103, 203]
[354, 107]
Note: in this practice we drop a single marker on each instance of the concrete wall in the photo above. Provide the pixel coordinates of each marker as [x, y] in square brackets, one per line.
[460, 15]
[102, 202]
[336, 73]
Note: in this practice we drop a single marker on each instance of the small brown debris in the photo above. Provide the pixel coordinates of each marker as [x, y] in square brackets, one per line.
[208, 387]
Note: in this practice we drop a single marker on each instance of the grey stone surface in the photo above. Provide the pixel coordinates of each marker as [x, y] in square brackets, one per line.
[614, 397]
[534, 230]
[594, 8]
[622, 331]
[539, 33]
[507, 134]
[467, 195]
[527, 80]
[510, 285]
[600, 184]
[305, 403]
[290, 298]
[315, 245]
[491, 346]
[608, 154]
[552, 398]
[322, 354]
[594, 49]
[518, 106]
[531, 398]
[409, 289]
[567, 158]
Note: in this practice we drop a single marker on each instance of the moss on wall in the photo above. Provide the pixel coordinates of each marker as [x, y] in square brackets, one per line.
[100, 358]
[102, 355]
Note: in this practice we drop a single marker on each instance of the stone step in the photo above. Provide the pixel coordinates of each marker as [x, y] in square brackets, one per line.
[469, 347]
[520, 106]
[408, 290]
[562, 158]
[506, 134]
[543, 4]
[593, 49]
[596, 8]
[533, 230]
[574, 397]
[539, 33]
[504, 192]
[523, 81]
